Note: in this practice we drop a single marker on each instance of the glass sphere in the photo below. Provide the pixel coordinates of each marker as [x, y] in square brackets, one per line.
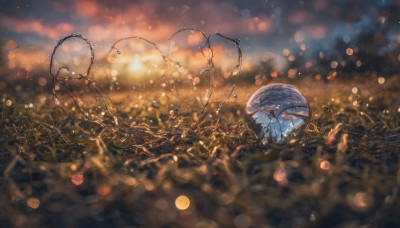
[277, 113]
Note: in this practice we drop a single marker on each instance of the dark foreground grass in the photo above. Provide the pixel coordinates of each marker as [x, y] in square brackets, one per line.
[139, 172]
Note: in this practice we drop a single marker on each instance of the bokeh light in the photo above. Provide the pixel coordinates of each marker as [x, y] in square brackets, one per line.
[325, 165]
[381, 80]
[280, 176]
[103, 189]
[182, 202]
[360, 200]
[33, 202]
[349, 51]
[77, 178]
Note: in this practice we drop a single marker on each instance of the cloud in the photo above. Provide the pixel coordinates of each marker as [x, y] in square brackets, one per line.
[36, 26]
[105, 21]
[87, 9]
[261, 26]
[27, 59]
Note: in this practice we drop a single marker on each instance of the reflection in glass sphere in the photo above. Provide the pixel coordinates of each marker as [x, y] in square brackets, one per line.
[277, 113]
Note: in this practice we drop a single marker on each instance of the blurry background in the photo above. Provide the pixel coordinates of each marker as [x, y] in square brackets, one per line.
[281, 39]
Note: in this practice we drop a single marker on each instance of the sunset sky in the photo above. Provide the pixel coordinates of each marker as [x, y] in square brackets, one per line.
[29, 29]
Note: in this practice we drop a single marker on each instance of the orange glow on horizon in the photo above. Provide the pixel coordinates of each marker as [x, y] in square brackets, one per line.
[135, 64]
[103, 25]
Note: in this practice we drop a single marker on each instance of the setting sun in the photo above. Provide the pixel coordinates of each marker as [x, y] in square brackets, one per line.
[135, 65]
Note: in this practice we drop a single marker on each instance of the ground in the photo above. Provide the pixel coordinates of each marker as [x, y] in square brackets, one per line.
[153, 166]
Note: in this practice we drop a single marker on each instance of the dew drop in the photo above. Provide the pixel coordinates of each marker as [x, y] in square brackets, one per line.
[381, 80]
[33, 202]
[312, 217]
[277, 113]
[8, 103]
[182, 202]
